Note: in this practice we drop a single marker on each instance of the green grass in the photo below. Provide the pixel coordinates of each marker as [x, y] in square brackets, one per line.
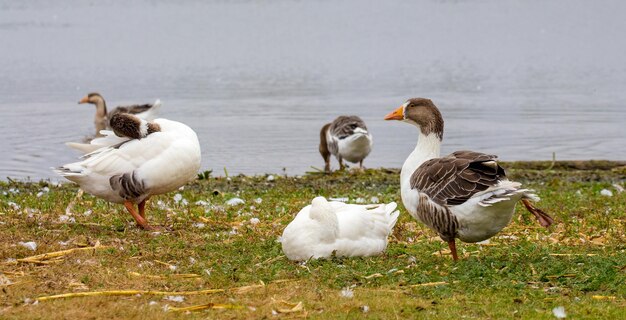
[517, 275]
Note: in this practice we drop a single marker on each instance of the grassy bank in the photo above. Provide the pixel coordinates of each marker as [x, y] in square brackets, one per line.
[524, 272]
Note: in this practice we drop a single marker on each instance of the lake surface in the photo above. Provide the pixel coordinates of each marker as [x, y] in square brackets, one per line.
[257, 79]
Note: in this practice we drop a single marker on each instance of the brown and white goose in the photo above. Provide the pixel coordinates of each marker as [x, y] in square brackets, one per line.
[345, 138]
[463, 195]
[135, 161]
[101, 120]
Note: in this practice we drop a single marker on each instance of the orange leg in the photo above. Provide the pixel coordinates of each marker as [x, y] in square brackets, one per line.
[544, 219]
[141, 221]
[452, 246]
[142, 208]
[326, 156]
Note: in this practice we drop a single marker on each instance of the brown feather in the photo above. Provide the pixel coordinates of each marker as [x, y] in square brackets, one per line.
[344, 126]
[454, 179]
[425, 114]
[128, 125]
[323, 148]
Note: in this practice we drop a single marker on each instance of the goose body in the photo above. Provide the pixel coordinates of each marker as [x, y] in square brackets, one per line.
[349, 230]
[345, 138]
[137, 160]
[464, 195]
[146, 112]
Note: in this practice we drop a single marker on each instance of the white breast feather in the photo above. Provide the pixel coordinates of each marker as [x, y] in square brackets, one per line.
[488, 212]
[355, 147]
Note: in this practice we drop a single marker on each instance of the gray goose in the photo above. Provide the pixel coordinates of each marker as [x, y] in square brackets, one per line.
[101, 120]
[463, 195]
[345, 138]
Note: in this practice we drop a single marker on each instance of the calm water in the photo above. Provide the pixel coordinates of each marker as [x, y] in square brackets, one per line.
[257, 79]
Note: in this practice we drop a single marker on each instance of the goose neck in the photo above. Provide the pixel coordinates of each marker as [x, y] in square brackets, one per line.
[427, 147]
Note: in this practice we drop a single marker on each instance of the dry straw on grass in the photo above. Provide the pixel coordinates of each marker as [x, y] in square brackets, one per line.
[57, 256]
[237, 290]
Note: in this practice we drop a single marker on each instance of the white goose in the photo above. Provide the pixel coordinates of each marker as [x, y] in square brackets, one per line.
[101, 120]
[345, 138]
[348, 230]
[464, 195]
[137, 160]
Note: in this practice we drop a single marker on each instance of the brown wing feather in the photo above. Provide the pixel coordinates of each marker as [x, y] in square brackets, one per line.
[344, 126]
[454, 179]
[132, 109]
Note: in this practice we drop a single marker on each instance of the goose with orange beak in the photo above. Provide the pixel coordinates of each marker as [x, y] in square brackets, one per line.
[463, 195]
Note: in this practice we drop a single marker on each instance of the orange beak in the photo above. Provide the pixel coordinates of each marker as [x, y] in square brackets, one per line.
[84, 100]
[397, 114]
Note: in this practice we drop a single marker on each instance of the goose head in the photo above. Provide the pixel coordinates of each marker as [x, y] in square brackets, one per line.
[422, 113]
[97, 100]
[101, 110]
[320, 208]
[128, 125]
[92, 98]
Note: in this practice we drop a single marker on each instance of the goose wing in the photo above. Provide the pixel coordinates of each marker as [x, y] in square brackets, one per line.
[108, 139]
[366, 221]
[146, 111]
[345, 126]
[454, 179]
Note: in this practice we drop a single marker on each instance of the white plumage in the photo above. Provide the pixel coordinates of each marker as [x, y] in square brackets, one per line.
[159, 163]
[488, 212]
[107, 138]
[349, 230]
[353, 148]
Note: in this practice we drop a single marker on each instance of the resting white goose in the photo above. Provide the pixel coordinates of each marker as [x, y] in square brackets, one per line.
[101, 120]
[464, 195]
[137, 160]
[345, 138]
[349, 230]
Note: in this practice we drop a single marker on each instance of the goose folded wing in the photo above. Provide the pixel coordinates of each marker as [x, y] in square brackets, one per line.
[454, 179]
[344, 126]
[355, 223]
[108, 139]
[128, 156]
